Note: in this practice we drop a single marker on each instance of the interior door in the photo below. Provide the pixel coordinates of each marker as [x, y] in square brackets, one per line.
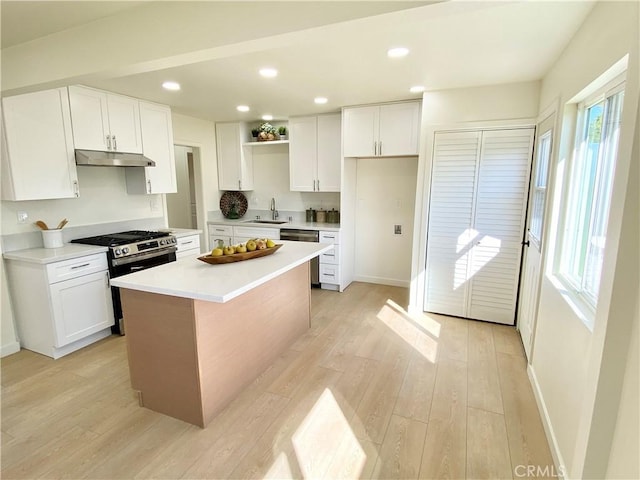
[530, 283]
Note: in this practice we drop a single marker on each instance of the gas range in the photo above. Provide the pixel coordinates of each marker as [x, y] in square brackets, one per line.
[131, 243]
[131, 252]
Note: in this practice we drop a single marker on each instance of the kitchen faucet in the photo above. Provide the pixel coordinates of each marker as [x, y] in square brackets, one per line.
[274, 212]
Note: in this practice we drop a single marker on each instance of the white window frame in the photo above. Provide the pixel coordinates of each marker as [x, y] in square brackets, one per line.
[585, 301]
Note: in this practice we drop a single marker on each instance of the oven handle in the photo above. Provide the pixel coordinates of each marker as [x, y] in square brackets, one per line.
[142, 256]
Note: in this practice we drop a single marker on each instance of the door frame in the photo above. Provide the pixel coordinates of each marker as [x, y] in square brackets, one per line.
[550, 111]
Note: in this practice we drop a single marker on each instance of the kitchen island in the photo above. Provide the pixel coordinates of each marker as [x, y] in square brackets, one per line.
[197, 334]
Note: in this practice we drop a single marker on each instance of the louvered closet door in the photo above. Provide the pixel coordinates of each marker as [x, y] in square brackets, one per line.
[501, 195]
[450, 220]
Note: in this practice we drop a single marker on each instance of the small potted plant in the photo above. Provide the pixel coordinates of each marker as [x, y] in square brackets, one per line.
[266, 132]
[254, 134]
[282, 132]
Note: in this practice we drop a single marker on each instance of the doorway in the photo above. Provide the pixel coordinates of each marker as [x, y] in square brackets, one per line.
[181, 206]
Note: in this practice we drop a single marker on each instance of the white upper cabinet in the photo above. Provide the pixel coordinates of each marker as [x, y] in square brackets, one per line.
[157, 143]
[314, 153]
[389, 130]
[105, 121]
[235, 162]
[38, 158]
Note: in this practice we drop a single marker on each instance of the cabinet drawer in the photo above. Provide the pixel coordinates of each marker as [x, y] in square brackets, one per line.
[76, 267]
[329, 273]
[188, 243]
[257, 232]
[331, 257]
[329, 237]
[221, 230]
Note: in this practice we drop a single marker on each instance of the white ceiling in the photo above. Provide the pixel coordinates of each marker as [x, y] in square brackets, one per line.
[452, 45]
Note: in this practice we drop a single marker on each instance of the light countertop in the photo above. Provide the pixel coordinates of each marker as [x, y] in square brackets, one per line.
[43, 256]
[191, 278]
[180, 232]
[244, 222]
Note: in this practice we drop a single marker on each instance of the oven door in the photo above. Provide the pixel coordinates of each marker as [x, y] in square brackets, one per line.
[124, 266]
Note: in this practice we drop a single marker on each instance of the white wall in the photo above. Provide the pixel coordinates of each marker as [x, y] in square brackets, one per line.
[385, 196]
[103, 199]
[496, 105]
[271, 180]
[578, 374]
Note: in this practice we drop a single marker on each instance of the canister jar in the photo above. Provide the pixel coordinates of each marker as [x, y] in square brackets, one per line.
[321, 216]
[311, 215]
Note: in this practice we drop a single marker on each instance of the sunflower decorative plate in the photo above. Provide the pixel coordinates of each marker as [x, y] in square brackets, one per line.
[233, 204]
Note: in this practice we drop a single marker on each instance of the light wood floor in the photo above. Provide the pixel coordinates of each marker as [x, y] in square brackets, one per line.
[369, 391]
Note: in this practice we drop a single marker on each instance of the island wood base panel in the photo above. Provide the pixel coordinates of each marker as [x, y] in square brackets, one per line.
[189, 358]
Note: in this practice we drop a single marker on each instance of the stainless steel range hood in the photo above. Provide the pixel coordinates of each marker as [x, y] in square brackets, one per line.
[112, 159]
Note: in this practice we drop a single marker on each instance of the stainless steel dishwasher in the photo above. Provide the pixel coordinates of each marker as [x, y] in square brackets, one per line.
[297, 235]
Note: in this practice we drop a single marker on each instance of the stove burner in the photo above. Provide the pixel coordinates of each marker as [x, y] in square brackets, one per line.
[122, 238]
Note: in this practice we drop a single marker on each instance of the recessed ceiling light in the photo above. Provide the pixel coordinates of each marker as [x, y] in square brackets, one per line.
[320, 100]
[397, 52]
[242, 108]
[268, 72]
[267, 117]
[171, 86]
[417, 89]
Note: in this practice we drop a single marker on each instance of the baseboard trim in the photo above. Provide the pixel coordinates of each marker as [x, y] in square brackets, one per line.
[9, 349]
[561, 467]
[382, 281]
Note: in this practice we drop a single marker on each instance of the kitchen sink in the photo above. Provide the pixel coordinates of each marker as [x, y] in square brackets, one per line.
[269, 222]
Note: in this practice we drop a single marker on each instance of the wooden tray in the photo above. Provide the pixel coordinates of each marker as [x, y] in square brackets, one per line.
[238, 257]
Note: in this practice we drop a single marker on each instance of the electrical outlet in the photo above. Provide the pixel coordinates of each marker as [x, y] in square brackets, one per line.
[23, 217]
[397, 229]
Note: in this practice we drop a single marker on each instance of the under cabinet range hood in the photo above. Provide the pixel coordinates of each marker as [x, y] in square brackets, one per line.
[112, 159]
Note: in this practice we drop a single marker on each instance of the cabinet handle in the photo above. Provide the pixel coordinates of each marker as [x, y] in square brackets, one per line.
[328, 274]
[239, 185]
[220, 229]
[108, 142]
[187, 243]
[380, 148]
[149, 185]
[106, 278]
[115, 142]
[80, 266]
[76, 190]
[375, 148]
[318, 185]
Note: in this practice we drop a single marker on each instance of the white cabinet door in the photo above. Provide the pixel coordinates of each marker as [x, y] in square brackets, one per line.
[38, 160]
[302, 154]
[389, 130]
[81, 306]
[360, 131]
[90, 116]
[124, 123]
[399, 129]
[329, 158]
[235, 166]
[104, 121]
[157, 139]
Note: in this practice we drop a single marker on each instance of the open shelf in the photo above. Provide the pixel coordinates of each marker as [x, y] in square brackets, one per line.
[262, 144]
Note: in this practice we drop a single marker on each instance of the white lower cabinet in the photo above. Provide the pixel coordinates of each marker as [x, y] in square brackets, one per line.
[62, 306]
[188, 246]
[233, 235]
[330, 262]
